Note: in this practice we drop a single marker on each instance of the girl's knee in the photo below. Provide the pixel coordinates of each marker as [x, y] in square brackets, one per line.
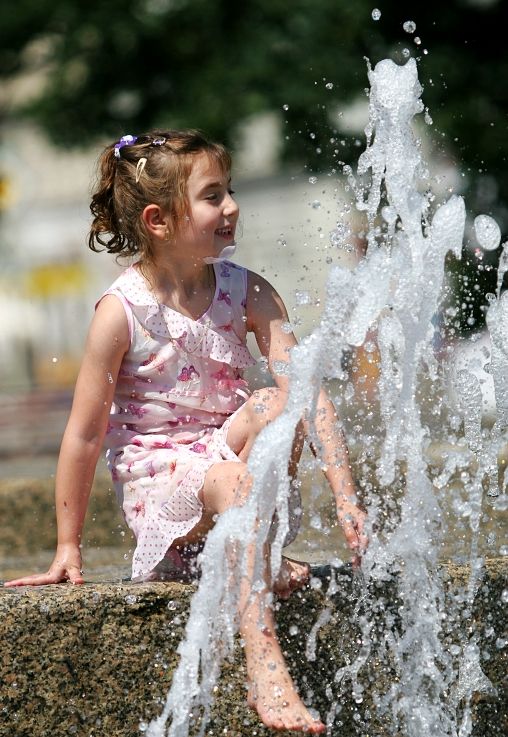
[266, 404]
[226, 485]
[259, 410]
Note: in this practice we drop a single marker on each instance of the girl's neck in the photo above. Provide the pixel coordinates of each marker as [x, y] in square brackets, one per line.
[186, 287]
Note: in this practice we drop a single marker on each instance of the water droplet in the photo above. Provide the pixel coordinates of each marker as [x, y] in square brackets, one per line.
[293, 630]
[54, 359]
[376, 14]
[285, 107]
[281, 368]
[339, 236]
[329, 85]
[417, 40]
[389, 214]
[487, 231]
[409, 26]
[256, 287]
[286, 327]
[406, 53]
[427, 118]
[316, 204]
[313, 180]
[130, 599]
[504, 596]
[110, 378]
[315, 522]
[263, 363]
[302, 297]
[143, 726]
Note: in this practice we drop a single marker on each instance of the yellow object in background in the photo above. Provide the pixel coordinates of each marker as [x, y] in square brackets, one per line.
[56, 373]
[56, 279]
[6, 192]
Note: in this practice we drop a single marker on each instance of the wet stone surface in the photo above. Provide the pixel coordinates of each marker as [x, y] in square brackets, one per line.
[97, 659]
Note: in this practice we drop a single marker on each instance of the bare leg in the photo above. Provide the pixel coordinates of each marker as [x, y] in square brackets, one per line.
[271, 690]
[263, 407]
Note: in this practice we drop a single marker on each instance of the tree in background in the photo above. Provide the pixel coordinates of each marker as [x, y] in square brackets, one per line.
[116, 66]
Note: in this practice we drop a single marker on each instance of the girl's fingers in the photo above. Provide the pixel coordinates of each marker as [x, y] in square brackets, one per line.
[351, 535]
[72, 574]
[36, 580]
[352, 521]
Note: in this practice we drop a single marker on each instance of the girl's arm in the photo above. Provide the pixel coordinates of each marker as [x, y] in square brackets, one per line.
[266, 314]
[107, 343]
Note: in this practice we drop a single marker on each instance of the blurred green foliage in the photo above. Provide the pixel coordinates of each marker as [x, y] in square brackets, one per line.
[118, 66]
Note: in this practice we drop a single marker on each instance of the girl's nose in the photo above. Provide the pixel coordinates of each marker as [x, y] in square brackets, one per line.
[230, 205]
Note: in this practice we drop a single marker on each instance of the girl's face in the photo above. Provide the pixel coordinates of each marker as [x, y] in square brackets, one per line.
[212, 212]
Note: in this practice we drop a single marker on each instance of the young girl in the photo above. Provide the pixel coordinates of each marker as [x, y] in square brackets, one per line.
[161, 384]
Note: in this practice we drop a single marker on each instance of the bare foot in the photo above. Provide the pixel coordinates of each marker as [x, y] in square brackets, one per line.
[272, 692]
[293, 575]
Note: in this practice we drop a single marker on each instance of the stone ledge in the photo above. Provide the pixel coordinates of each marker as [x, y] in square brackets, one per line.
[97, 659]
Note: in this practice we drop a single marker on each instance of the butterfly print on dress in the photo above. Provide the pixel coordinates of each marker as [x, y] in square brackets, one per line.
[187, 373]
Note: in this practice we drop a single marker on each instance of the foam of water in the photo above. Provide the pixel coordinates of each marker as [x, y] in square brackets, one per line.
[396, 288]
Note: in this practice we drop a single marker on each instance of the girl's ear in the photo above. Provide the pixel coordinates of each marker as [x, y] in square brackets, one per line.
[156, 222]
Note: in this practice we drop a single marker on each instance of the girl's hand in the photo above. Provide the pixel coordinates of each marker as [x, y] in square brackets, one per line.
[352, 520]
[66, 566]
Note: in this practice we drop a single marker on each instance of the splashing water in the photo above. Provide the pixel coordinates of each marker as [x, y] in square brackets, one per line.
[396, 287]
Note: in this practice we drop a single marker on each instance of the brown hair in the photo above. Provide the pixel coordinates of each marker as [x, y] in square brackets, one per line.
[119, 199]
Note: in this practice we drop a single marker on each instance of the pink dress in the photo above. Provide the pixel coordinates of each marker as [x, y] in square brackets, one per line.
[178, 386]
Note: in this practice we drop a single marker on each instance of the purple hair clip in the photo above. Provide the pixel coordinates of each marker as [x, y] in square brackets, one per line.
[124, 141]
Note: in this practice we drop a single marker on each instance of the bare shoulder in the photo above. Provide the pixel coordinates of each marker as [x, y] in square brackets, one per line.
[256, 280]
[263, 301]
[258, 288]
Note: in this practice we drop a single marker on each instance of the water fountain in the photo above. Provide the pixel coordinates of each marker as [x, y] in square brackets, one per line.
[397, 287]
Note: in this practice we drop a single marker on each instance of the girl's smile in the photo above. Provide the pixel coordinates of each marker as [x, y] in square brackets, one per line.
[226, 233]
